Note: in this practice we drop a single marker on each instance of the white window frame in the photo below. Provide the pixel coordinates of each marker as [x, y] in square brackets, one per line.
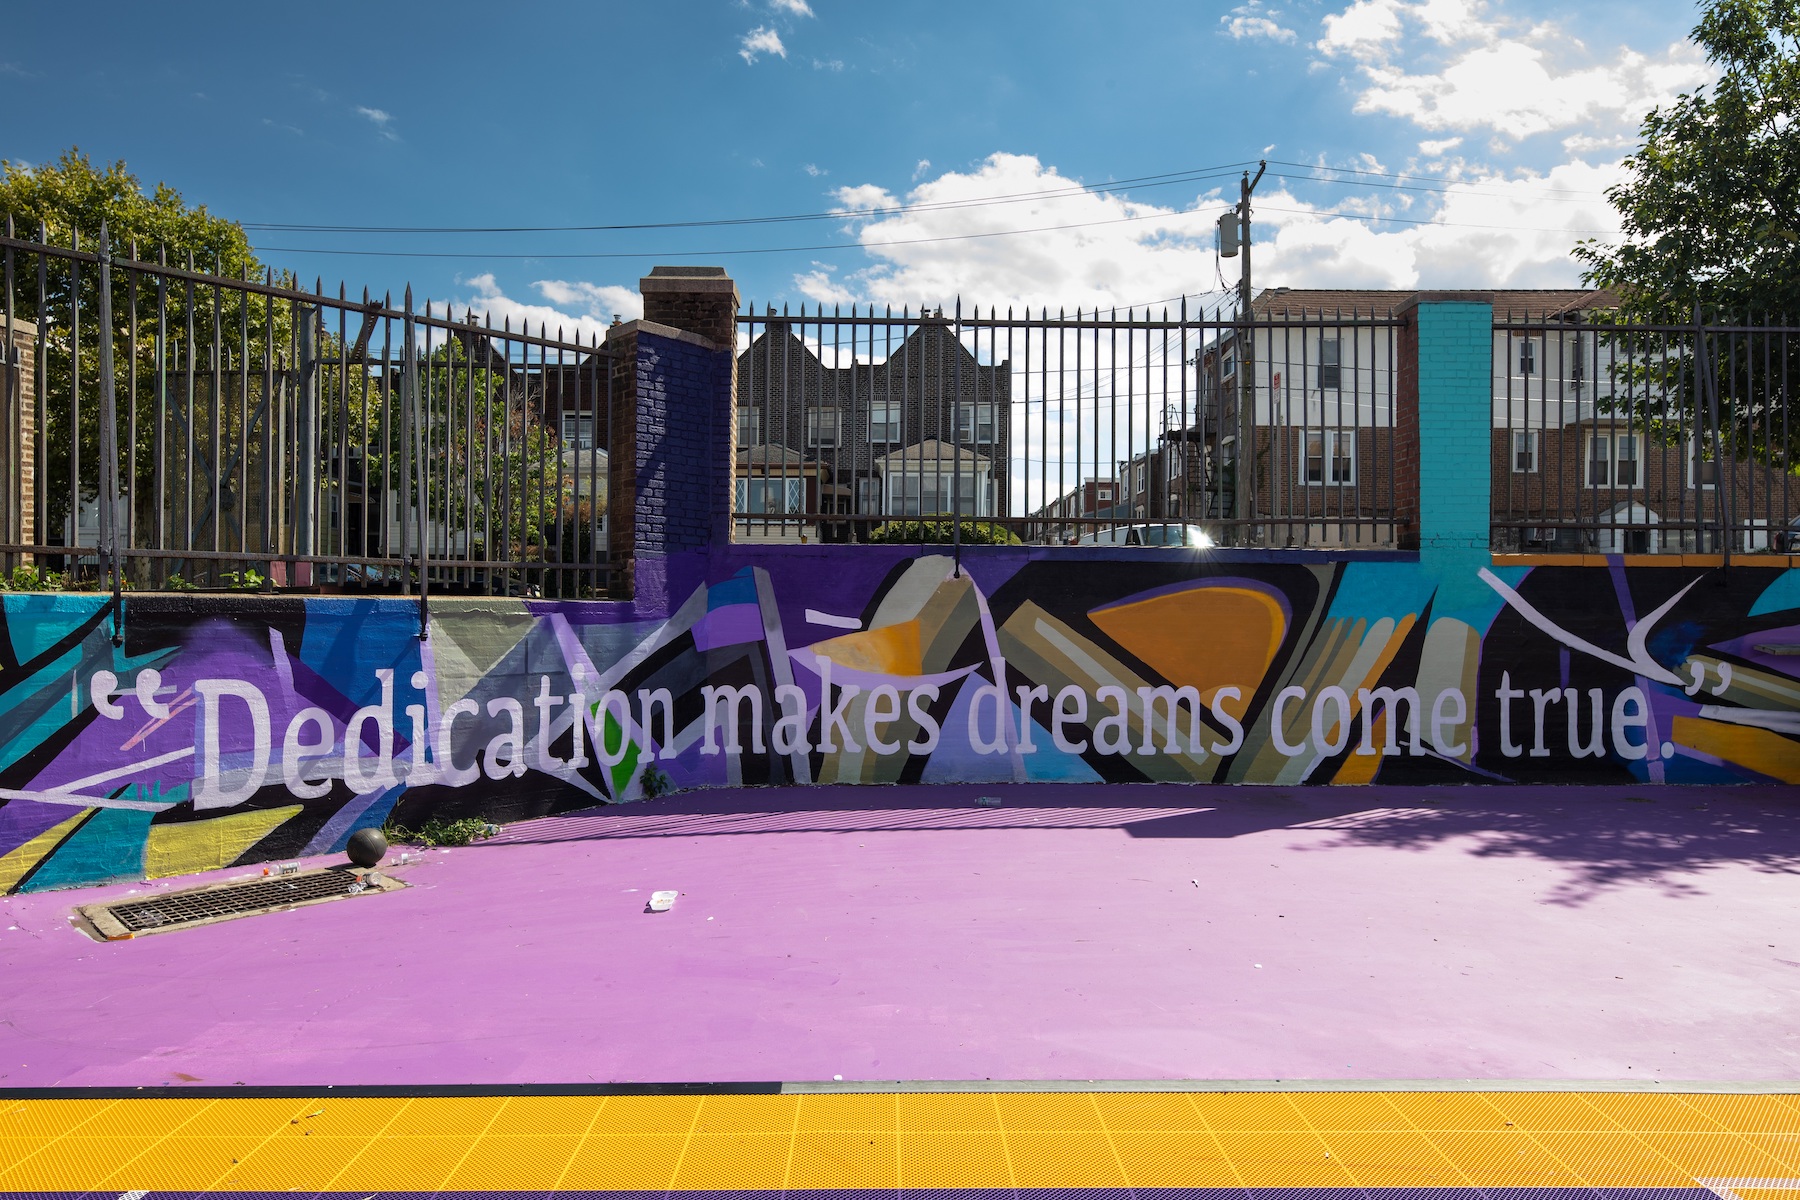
[1613, 441]
[909, 490]
[1526, 440]
[823, 421]
[975, 424]
[749, 425]
[884, 422]
[790, 491]
[1104, 493]
[573, 425]
[1331, 442]
[1694, 460]
[1528, 356]
[1331, 371]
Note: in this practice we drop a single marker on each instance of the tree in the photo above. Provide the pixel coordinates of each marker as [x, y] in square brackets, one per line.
[71, 196]
[1711, 216]
[215, 379]
[64, 203]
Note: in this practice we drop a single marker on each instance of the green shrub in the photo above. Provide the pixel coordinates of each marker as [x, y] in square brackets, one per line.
[30, 579]
[941, 531]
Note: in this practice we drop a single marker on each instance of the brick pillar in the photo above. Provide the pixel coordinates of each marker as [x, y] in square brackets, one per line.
[1446, 397]
[18, 440]
[1406, 434]
[671, 429]
[1445, 392]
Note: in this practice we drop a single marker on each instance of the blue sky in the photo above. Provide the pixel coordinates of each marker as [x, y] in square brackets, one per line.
[968, 149]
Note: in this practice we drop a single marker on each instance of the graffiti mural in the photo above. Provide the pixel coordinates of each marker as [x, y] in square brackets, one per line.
[232, 731]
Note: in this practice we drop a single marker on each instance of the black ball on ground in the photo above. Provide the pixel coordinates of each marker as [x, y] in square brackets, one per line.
[366, 847]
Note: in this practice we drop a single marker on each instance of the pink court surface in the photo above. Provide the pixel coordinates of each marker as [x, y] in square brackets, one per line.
[911, 933]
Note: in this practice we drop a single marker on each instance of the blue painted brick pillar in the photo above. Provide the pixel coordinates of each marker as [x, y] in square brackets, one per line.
[1445, 427]
[670, 428]
[1444, 436]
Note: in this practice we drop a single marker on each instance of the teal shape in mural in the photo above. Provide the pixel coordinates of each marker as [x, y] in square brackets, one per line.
[109, 845]
[34, 623]
[1779, 596]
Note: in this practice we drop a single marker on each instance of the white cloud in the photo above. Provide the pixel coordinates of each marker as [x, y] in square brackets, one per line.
[1511, 88]
[1490, 72]
[383, 121]
[815, 170]
[1253, 20]
[798, 8]
[1362, 29]
[828, 64]
[1439, 146]
[1585, 143]
[580, 309]
[923, 166]
[819, 285]
[761, 40]
[927, 256]
[868, 197]
[1490, 231]
[1256, 27]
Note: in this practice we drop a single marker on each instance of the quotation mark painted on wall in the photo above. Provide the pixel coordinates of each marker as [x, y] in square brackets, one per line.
[105, 685]
[1698, 668]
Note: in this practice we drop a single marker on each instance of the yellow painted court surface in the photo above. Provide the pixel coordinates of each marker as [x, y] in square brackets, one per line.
[1745, 1146]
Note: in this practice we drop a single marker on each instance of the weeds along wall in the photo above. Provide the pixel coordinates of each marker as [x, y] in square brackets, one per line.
[239, 729]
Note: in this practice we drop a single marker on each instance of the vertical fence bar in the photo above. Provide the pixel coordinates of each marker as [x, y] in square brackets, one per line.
[73, 538]
[109, 444]
[12, 495]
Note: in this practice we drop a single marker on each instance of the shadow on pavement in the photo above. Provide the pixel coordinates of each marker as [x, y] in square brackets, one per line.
[1605, 836]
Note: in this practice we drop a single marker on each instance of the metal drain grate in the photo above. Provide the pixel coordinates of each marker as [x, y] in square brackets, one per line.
[174, 910]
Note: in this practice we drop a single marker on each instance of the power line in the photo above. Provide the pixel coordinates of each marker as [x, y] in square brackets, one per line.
[1407, 181]
[832, 247]
[1166, 179]
[1354, 176]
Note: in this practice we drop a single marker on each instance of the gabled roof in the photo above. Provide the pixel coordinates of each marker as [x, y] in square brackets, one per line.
[1514, 303]
[931, 452]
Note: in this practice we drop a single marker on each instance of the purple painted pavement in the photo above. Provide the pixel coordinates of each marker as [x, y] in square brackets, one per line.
[1076, 932]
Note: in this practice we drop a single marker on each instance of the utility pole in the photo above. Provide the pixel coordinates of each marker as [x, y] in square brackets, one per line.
[1244, 481]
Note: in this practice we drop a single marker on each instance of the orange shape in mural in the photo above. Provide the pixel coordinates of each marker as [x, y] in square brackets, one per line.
[889, 650]
[1211, 636]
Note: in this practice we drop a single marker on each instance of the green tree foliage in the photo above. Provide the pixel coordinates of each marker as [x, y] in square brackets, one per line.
[1711, 216]
[64, 203]
[72, 196]
[1711, 205]
[210, 392]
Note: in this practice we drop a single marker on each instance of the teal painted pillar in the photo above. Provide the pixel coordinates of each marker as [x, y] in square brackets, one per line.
[1444, 430]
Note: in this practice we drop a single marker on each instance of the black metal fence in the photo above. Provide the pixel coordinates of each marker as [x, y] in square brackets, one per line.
[1640, 438]
[167, 427]
[1132, 428]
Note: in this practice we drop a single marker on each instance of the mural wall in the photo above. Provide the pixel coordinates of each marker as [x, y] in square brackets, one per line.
[249, 729]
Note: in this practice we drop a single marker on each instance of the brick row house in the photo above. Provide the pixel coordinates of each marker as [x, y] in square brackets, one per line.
[1582, 459]
[924, 431]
